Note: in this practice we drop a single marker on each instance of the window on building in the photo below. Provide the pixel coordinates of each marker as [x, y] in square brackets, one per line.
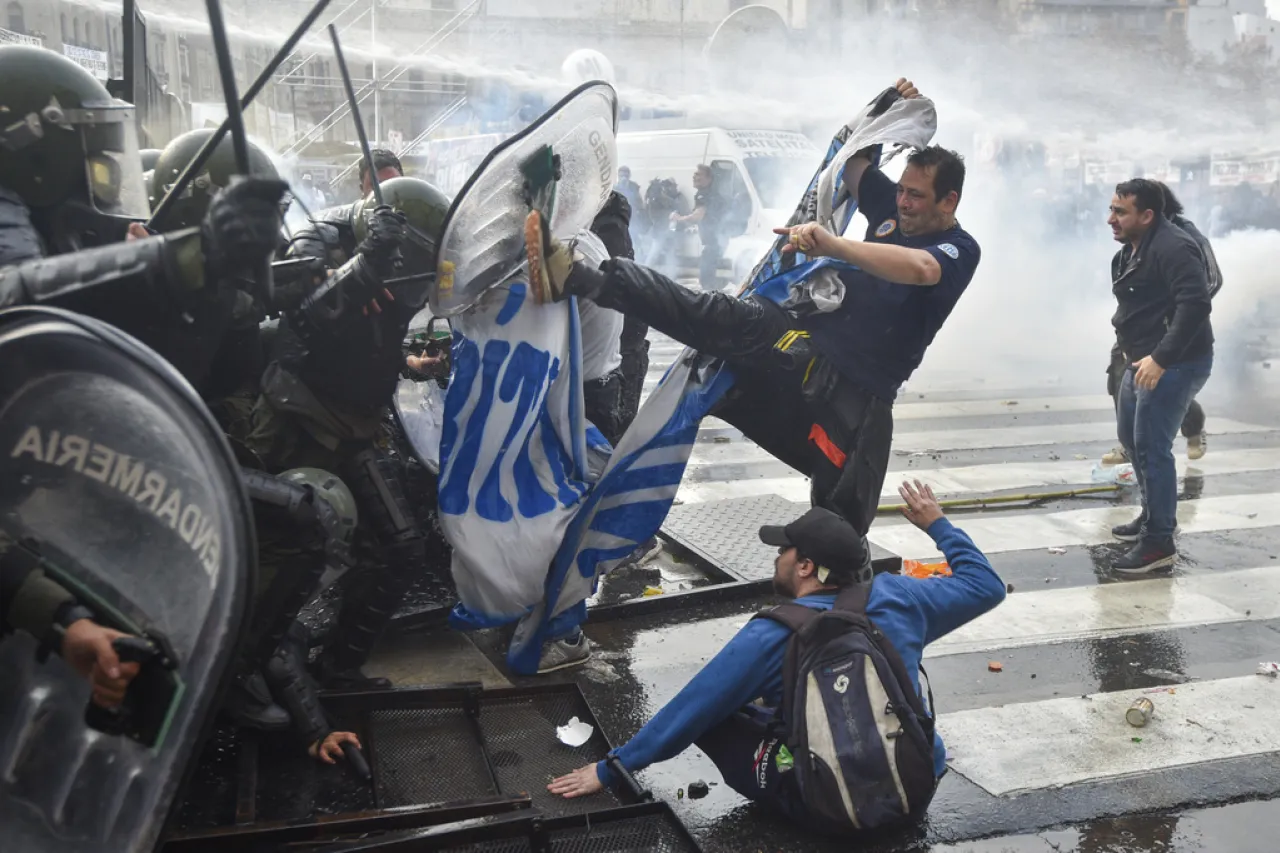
[75, 31]
[16, 23]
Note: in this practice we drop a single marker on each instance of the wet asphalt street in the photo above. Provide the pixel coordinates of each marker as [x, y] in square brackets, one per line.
[1071, 635]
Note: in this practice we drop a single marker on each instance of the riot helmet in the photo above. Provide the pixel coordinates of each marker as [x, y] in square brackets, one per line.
[423, 205]
[190, 208]
[149, 158]
[65, 138]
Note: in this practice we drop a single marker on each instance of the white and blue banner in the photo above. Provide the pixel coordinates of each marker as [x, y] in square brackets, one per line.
[535, 503]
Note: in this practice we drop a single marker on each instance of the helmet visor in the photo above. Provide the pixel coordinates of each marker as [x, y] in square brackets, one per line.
[113, 167]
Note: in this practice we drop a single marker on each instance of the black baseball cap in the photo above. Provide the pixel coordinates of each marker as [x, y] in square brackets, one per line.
[826, 539]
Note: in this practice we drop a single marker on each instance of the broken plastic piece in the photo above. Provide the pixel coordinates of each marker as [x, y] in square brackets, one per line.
[1270, 669]
[651, 591]
[1057, 550]
[574, 733]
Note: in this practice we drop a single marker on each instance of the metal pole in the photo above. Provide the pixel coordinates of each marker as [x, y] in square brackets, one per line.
[202, 156]
[355, 113]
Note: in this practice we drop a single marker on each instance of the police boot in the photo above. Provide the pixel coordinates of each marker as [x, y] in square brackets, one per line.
[365, 615]
[249, 704]
[292, 686]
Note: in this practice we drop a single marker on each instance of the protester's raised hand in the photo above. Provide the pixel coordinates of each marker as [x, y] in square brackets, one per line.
[921, 507]
[906, 88]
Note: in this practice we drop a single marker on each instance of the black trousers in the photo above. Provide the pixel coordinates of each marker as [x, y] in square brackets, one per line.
[787, 399]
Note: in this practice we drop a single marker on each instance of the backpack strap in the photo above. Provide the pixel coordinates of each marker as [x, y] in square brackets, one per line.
[853, 599]
[794, 616]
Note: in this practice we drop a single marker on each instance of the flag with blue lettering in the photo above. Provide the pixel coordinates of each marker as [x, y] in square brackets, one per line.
[535, 502]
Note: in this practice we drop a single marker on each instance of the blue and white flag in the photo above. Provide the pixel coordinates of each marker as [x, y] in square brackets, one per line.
[535, 503]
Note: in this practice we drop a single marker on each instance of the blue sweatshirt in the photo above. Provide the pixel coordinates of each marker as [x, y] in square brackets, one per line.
[911, 612]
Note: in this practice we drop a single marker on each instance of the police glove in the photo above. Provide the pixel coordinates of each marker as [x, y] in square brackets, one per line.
[242, 227]
[387, 233]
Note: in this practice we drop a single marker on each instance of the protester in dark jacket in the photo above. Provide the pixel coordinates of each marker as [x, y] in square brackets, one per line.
[1193, 423]
[1163, 331]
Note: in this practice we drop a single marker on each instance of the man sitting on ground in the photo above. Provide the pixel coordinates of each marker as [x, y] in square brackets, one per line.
[819, 554]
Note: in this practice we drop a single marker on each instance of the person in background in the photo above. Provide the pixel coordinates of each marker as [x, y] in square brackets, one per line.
[1193, 423]
[726, 710]
[628, 188]
[708, 211]
[387, 164]
[663, 202]
[1163, 332]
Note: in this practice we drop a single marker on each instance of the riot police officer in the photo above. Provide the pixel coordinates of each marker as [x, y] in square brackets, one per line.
[71, 182]
[331, 377]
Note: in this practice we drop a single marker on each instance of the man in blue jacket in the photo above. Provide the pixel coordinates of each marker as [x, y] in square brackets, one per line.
[817, 555]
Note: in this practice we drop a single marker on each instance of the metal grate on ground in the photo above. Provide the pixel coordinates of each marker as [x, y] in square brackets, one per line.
[643, 828]
[434, 751]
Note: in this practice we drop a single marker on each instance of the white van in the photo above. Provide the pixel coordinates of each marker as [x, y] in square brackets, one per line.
[761, 174]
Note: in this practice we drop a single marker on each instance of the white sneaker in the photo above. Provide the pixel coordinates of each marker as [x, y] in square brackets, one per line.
[1115, 456]
[562, 654]
[1197, 445]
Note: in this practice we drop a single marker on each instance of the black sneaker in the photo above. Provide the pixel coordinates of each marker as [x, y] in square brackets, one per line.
[1147, 556]
[1131, 532]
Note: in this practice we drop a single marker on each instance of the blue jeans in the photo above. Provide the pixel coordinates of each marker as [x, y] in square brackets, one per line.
[1147, 422]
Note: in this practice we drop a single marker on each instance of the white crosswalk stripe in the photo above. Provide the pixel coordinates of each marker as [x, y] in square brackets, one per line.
[1002, 442]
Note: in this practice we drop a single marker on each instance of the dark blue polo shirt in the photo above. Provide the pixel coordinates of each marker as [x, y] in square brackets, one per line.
[878, 335]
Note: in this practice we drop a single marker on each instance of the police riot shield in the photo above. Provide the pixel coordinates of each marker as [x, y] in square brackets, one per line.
[483, 237]
[116, 482]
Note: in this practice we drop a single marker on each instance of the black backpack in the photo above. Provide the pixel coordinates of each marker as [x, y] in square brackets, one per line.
[860, 736]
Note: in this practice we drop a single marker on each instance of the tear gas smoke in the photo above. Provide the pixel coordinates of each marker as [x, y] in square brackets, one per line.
[1038, 310]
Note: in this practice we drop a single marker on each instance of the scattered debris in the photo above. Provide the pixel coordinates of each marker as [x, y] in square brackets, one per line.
[995, 666]
[679, 793]
[1008, 588]
[722, 439]
[1139, 713]
[1270, 669]
[1166, 675]
[1252, 515]
[574, 733]
[1010, 403]
[1053, 457]
[917, 569]
[1081, 457]
[1033, 675]
[1057, 550]
[1050, 580]
[651, 591]
[1136, 739]
[1169, 690]
[698, 790]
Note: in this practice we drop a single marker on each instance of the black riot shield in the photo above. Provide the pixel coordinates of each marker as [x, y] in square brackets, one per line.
[115, 480]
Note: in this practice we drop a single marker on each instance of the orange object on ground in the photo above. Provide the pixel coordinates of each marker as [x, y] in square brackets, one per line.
[918, 569]
[995, 666]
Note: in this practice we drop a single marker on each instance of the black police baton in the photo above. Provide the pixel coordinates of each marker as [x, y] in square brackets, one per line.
[235, 117]
[155, 223]
[355, 114]
[145, 709]
[359, 764]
